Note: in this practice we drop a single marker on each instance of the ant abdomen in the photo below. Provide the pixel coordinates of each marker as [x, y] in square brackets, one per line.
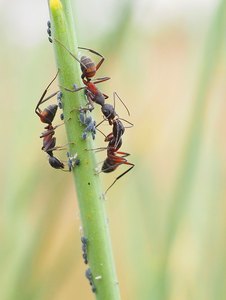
[48, 114]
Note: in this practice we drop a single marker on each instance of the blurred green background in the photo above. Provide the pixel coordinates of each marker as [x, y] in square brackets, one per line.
[167, 216]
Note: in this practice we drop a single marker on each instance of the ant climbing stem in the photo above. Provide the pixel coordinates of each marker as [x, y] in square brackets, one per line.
[49, 140]
[87, 66]
[85, 58]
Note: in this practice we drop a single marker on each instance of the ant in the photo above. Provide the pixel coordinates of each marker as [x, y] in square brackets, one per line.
[46, 116]
[49, 145]
[89, 70]
[87, 66]
[110, 114]
[115, 158]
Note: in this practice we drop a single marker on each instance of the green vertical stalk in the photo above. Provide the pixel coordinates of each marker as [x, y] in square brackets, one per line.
[89, 191]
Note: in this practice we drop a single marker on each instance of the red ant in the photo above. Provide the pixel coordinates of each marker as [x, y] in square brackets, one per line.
[88, 67]
[113, 159]
[49, 145]
[89, 70]
[47, 116]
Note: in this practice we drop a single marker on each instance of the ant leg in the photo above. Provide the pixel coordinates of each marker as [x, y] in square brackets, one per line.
[74, 90]
[99, 80]
[47, 132]
[100, 122]
[123, 154]
[124, 173]
[127, 122]
[59, 148]
[91, 50]
[100, 131]
[105, 96]
[44, 93]
[115, 94]
[97, 149]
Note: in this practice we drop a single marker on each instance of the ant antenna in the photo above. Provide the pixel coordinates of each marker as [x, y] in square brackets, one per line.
[45, 91]
[124, 173]
[70, 52]
[115, 94]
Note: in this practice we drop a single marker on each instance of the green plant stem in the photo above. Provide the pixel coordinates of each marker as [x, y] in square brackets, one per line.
[89, 191]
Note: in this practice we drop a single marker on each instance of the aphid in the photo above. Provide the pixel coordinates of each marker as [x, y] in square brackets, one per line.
[72, 161]
[59, 99]
[89, 276]
[84, 241]
[49, 31]
[89, 123]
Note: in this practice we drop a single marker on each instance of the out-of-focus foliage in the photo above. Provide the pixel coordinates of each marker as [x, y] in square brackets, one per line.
[167, 216]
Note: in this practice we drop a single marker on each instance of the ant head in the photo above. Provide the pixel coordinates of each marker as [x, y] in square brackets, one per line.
[108, 111]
